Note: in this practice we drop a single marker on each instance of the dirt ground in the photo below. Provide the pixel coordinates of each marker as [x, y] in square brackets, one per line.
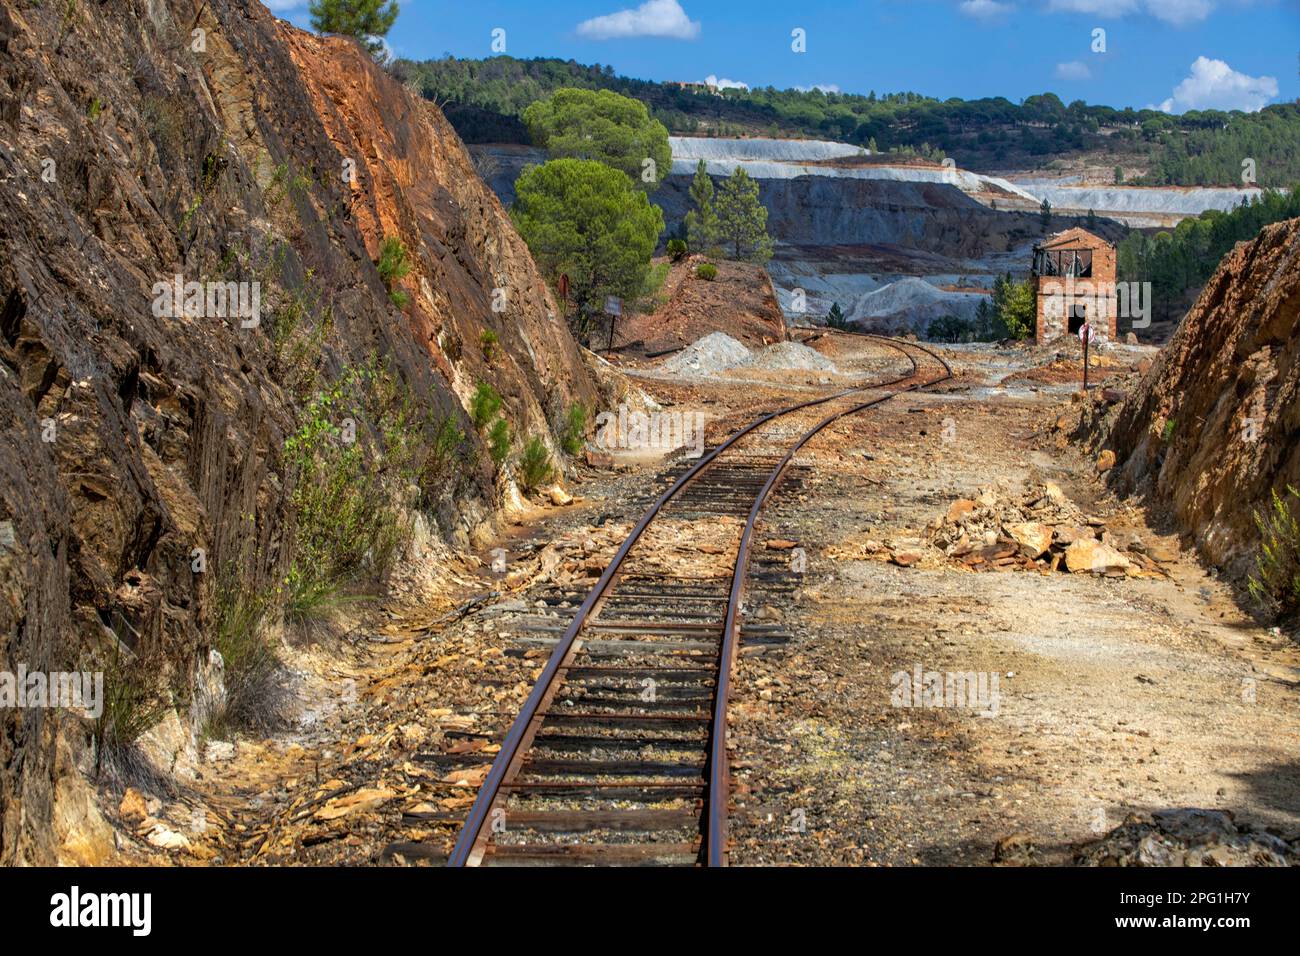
[1116, 695]
[1106, 694]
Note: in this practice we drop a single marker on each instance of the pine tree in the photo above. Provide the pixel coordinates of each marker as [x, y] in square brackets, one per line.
[605, 126]
[1045, 215]
[985, 321]
[742, 219]
[836, 318]
[367, 20]
[702, 221]
[588, 221]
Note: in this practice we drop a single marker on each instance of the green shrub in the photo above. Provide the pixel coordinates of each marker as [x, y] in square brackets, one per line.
[360, 445]
[499, 441]
[394, 265]
[488, 341]
[447, 438]
[347, 528]
[1014, 306]
[191, 211]
[707, 271]
[484, 405]
[573, 430]
[438, 474]
[535, 467]
[134, 701]
[1276, 581]
[298, 327]
[676, 250]
[947, 328]
[254, 696]
[285, 183]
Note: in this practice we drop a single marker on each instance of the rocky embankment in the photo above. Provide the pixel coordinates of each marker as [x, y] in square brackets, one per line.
[141, 142]
[1214, 426]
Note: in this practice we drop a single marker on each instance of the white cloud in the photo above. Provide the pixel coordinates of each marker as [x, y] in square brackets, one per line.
[824, 87]
[724, 83]
[1180, 11]
[1171, 11]
[984, 9]
[1213, 85]
[654, 18]
[1073, 70]
[1102, 8]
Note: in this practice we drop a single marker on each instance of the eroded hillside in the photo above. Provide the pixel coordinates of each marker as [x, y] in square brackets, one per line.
[1212, 429]
[144, 444]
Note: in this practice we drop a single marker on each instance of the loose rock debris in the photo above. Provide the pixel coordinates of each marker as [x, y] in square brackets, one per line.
[1189, 837]
[1040, 530]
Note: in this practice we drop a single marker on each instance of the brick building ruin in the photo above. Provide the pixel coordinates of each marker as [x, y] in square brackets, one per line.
[1074, 276]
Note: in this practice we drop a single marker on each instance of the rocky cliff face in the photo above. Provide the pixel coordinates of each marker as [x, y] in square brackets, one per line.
[826, 211]
[924, 217]
[1215, 425]
[145, 140]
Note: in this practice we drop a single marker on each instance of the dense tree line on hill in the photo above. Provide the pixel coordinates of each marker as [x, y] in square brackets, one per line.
[1177, 263]
[484, 99]
[1216, 147]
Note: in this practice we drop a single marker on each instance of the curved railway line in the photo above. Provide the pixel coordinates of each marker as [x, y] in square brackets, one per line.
[619, 754]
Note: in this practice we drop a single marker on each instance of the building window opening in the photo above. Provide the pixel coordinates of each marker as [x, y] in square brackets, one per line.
[1076, 263]
[1078, 316]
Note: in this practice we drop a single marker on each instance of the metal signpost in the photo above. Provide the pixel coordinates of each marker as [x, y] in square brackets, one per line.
[613, 308]
[1085, 336]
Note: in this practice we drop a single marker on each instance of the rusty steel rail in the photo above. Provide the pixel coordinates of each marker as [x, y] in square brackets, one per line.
[471, 839]
[719, 767]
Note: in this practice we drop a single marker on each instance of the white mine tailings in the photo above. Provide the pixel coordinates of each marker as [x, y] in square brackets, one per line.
[707, 356]
[1139, 205]
[792, 158]
[719, 352]
[910, 304]
[690, 149]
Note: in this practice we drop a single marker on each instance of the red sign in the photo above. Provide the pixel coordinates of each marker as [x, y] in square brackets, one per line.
[1085, 333]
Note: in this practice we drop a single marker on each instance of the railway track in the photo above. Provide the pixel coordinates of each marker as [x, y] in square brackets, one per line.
[618, 756]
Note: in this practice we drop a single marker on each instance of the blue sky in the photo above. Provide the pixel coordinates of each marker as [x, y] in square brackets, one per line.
[1171, 54]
